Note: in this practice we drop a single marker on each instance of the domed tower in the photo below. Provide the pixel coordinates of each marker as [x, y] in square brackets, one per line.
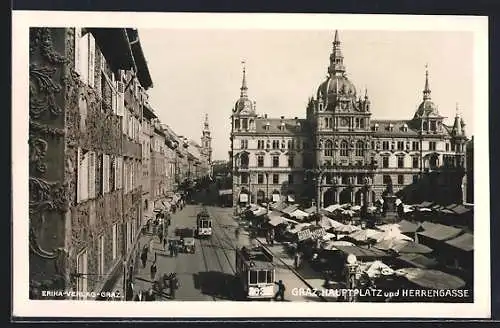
[427, 119]
[244, 109]
[340, 118]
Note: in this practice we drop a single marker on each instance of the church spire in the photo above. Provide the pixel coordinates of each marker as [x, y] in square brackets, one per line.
[336, 58]
[244, 87]
[206, 127]
[427, 90]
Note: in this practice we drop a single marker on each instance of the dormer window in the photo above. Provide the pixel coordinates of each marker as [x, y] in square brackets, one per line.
[391, 127]
[266, 127]
[375, 127]
[405, 127]
[236, 124]
[320, 107]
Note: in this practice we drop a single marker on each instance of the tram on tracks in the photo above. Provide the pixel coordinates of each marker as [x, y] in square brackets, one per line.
[256, 272]
[203, 224]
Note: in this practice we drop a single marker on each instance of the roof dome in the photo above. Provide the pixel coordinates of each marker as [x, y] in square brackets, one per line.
[426, 108]
[243, 104]
[336, 84]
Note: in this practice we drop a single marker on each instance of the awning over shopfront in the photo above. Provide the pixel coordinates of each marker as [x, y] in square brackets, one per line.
[464, 242]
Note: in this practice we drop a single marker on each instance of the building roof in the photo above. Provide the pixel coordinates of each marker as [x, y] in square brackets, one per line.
[115, 47]
[383, 128]
[285, 126]
[142, 67]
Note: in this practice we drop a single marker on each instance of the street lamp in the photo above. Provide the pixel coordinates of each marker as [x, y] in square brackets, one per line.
[352, 273]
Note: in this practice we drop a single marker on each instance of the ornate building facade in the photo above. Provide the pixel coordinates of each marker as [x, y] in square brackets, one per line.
[340, 154]
[86, 87]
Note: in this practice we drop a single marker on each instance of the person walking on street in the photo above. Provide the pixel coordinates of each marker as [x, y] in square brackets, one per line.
[153, 269]
[296, 260]
[281, 291]
[144, 256]
[171, 248]
[174, 285]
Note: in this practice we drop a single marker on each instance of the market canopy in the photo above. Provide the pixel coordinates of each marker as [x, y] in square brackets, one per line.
[276, 220]
[363, 235]
[376, 269]
[464, 242]
[347, 228]
[331, 245]
[419, 261]
[310, 210]
[332, 208]
[290, 209]
[362, 252]
[432, 279]
[279, 206]
[403, 246]
[440, 232]
[407, 226]
[299, 214]
[260, 211]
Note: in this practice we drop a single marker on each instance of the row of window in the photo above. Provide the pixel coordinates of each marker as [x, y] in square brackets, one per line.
[112, 90]
[400, 162]
[274, 144]
[344, 179]
[261, 178]
[276, 161]
[82, 257]
[330, 122]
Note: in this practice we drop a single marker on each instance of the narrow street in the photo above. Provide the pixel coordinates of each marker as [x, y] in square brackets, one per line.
[208, 274]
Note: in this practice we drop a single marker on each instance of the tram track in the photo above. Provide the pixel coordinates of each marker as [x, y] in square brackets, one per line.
[216, 242]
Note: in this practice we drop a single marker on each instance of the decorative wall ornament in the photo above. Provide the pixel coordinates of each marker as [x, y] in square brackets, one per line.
[43, 91]
[38, 149]
[45, 195]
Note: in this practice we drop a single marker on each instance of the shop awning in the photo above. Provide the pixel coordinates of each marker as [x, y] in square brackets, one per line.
[441, 232]
[464, 242]
[418, 260]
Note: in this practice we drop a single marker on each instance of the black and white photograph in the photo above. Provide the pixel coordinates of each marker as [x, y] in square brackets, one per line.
[207, 163]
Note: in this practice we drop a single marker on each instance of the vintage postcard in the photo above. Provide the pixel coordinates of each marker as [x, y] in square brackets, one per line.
[250, 165]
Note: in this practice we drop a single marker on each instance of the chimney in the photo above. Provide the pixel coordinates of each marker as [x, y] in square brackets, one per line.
[265, 115]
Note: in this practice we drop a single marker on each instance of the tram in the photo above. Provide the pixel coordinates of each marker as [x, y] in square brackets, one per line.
[255, 271]
[203, 224]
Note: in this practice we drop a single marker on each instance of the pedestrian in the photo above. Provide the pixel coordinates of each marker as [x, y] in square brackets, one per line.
[171, 248]
[160, 235]
[144, 257]
[296, 260]
[130, 290]
[153, 269]
[165, 243]
[281, 291]
[174, 285]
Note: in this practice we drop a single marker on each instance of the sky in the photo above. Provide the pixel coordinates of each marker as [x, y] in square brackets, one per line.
[198, 72]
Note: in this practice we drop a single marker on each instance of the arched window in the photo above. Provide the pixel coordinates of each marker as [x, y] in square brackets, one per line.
[359, 148]
[328, 148]
[344, 151]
